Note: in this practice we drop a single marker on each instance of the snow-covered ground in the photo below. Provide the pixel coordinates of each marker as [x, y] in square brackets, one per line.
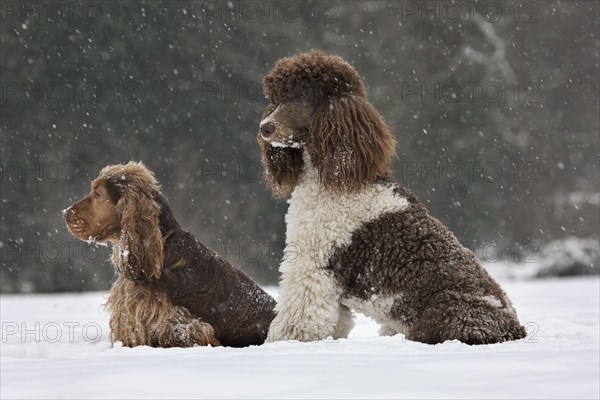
[56, 346]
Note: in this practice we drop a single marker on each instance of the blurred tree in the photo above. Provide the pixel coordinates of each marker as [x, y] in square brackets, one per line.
[177, 85]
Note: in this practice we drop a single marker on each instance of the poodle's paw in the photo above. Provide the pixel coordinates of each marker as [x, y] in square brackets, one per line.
[301, 332]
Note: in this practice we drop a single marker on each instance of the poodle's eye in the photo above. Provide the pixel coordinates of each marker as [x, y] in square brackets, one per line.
[270, 108]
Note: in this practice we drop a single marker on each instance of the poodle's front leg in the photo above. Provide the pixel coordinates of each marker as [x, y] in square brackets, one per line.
[345, 323]
[308, 307]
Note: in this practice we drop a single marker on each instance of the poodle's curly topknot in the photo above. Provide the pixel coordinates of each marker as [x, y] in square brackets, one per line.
[314, 76]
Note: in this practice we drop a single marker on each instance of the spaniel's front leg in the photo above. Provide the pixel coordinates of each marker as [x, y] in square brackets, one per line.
[182, 330]
[308, 308]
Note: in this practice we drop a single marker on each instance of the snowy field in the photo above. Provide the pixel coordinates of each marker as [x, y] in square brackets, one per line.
[56, 346]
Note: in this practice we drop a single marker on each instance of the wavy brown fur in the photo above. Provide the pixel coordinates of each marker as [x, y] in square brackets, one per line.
[139, 253]
[170, 290]
[142, 315]
[350, 144]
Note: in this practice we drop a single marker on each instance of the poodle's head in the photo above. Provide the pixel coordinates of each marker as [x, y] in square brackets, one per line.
[319, 105]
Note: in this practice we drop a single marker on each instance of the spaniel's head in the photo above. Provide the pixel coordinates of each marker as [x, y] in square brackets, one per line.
[122, 208]
[319, 105]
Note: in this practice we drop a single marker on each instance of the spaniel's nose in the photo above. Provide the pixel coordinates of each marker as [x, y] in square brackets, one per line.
[267, 129]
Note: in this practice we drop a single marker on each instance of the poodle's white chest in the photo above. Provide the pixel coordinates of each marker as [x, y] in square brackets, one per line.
[320, 221]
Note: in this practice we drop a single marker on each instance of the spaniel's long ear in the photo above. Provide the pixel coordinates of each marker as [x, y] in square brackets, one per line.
[139, 253]
[350, 143]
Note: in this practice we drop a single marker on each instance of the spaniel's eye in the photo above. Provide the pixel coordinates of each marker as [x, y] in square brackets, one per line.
[97, 195]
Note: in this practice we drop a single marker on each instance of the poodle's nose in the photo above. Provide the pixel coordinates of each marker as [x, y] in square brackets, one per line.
[267, 129]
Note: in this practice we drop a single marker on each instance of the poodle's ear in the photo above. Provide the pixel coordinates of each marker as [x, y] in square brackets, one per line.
[139, 253]
[350, 143]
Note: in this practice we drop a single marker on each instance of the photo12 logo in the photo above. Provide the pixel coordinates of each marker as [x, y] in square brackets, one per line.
[22, 252]
[468, 171]
[69, 92]
[215, 172]
[269, 11]
[492, 252]
[267, 253]
[469, 92]
[455, 12]
[48, 172]
[231, 92]
[52, 12]
[51, 332]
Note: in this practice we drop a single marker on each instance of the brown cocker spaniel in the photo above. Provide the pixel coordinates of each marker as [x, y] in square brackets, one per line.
[171, 290]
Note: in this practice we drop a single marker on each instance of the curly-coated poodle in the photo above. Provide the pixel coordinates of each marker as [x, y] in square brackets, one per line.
[356, 240]
[171, 290]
